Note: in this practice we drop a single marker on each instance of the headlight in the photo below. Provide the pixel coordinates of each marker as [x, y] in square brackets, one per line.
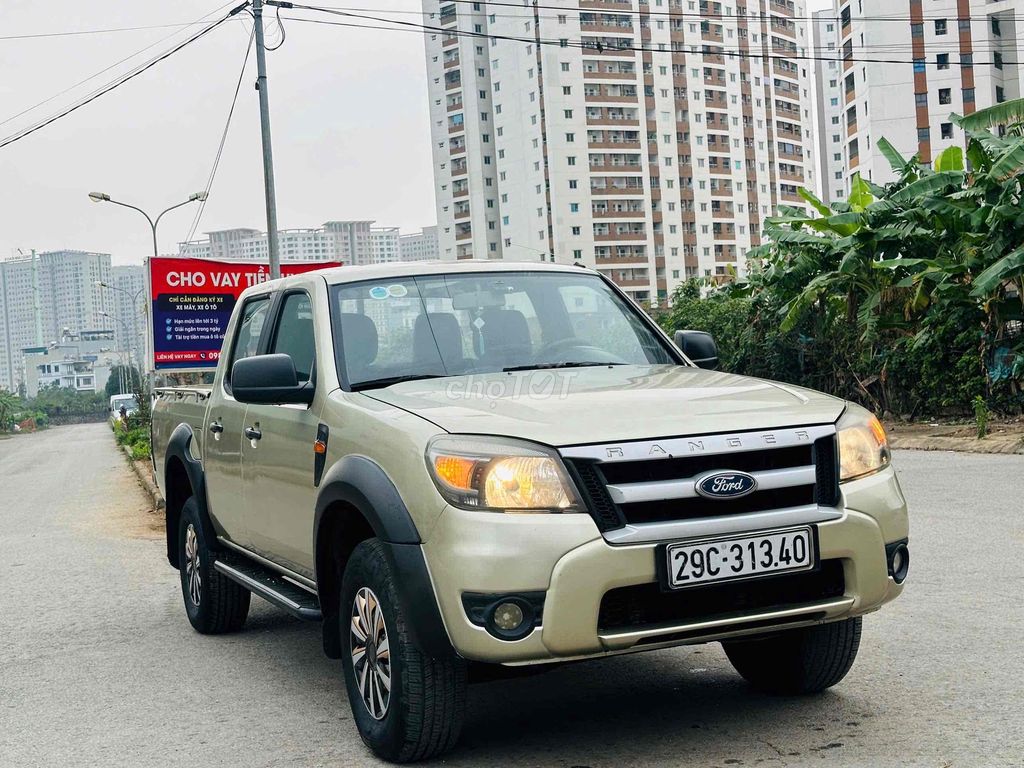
[500, 475]
[863, 447]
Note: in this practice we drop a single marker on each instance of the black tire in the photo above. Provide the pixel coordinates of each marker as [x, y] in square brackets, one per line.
[423, 711]
[798, 661]
[222, 605]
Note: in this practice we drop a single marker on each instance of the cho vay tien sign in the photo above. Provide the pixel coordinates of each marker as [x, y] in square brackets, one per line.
[192, 301]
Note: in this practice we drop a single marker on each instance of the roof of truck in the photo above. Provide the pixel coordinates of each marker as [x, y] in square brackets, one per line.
[398, 269]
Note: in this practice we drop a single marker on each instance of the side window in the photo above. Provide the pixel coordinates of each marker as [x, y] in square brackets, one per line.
[294, 334]
[250, 326]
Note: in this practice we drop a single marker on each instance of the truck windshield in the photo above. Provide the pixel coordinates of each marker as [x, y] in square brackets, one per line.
[448, 325]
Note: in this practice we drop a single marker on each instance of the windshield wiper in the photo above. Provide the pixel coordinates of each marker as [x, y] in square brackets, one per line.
[545, 366]
[387, 381]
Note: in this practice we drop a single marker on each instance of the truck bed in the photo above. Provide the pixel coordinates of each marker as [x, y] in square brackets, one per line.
[174, 406]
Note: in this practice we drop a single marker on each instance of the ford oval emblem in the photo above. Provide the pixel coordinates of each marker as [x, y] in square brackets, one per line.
[726, 485]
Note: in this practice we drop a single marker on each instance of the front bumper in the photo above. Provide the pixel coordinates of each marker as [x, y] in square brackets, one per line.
[565, 557]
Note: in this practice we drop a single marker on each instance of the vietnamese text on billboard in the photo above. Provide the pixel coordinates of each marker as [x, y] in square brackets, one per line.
[192, 301]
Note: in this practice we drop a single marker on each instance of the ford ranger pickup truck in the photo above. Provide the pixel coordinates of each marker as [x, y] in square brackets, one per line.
[455, 465]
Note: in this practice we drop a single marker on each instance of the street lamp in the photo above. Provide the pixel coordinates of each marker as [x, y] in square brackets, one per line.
[102, 197]
[135, 316]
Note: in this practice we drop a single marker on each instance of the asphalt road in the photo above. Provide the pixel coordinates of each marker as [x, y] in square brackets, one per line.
[98, 665]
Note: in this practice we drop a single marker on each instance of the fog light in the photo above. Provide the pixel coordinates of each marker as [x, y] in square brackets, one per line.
[508, 617]
[900, 564]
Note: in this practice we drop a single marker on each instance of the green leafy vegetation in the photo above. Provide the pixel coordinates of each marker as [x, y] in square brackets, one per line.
[905, 297]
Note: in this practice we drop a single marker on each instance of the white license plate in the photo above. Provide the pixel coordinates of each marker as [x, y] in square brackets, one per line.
[739, 557]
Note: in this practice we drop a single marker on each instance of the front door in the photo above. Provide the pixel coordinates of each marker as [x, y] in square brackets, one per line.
[225, 421]
[278, 464]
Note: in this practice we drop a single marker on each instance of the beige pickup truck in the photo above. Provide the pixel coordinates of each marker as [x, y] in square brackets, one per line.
[455, 465]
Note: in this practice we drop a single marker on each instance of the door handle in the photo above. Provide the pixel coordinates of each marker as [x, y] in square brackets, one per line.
[252, 433]
[216, 427]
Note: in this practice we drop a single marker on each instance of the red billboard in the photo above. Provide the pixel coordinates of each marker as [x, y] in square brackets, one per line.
[192, 301]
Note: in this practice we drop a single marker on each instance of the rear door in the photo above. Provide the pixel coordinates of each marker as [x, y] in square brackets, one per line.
[225, 422]
[278, 466]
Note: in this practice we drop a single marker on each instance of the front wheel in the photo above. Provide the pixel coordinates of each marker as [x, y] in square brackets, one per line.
[407, 706]
[797, 661]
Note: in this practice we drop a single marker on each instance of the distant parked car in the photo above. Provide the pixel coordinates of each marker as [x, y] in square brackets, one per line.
[125, 402]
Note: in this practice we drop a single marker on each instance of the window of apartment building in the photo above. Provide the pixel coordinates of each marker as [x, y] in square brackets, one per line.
[487, 158]
[854, 148]
[490, 203]
[968, 94]
[504, 197]
[497, 109]
[568, 114]
[917, 30]
[964, 25]
[924, 134]
[1000, 95]
[561, 18]
[921, 99]
[577, 254]
[835, 138]
[566, 90]
[997, 59]
[576, 230]
[571, 160]
[995, 27]
[565, 66]
[574, 207]
[570, 137]
[835, 120]
[504, 220]
[945, 96]
[919, 65]
[966, 59]
[940, 26]
[573, 184]
[834, 101]
[942, 61]
[946, 130]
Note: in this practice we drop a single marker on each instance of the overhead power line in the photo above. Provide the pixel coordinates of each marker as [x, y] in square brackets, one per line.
[79, 32]
[106, 69]
[223, 139]
[120, 81]
[713, 48]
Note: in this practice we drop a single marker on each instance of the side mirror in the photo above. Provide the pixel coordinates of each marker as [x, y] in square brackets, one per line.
[269, 379]
[700, 347]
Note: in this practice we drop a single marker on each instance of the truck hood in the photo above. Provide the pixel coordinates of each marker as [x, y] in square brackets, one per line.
[608, 403]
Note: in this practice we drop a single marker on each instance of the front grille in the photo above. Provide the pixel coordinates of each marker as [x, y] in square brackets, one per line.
[639, 483]
[645, 605]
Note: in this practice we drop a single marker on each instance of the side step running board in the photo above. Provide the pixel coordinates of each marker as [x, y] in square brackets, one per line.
[272, 587]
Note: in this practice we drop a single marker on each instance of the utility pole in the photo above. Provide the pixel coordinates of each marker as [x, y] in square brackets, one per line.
[268, 156]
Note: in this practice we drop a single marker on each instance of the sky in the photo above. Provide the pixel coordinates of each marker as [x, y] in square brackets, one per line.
[348, 113]
[349, 117]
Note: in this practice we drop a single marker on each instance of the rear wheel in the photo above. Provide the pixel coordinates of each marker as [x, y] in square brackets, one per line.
[798, 661]
[407, 706]
[214, 604]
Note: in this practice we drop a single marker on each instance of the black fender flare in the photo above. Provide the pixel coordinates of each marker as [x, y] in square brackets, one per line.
[363, 484]
[178, 449]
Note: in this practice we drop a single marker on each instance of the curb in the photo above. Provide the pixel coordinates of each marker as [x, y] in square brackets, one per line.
[989, 445]
[144, 480]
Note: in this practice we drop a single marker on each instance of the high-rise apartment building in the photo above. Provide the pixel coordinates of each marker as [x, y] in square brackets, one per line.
[44, 296]
[419, 246]
[384, 245]
[350, 242]
[960, 56]
[129, 298]
[649, 141]
[829, 110]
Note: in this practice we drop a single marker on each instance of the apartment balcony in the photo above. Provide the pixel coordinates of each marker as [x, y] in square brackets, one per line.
[610, 214]
[791, 176]
[614, 144]
[631, 282]
[630, 168]
[798, 155]
[607, 191]
[637, 260]
[606, 29]
[781, 70]
[456, 128]
[461, 192]
[851, 127]
[448, 42]
[725, 234]
[600, 97]
[455, 106]
[723, 213]
[721, 170]
[793, 197]
[711, 36]
[457, 150]
[461, 215]
[628, 76]
[606, 50]
[616, 122]
[619, 237]
[452, 63]
[461, 170]
[606, 5]
[466, 235]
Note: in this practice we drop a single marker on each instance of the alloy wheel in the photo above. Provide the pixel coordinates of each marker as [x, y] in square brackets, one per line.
[192, 563]
[371, 653]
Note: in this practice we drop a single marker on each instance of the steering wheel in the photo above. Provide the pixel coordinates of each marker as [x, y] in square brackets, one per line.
[589, 352]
